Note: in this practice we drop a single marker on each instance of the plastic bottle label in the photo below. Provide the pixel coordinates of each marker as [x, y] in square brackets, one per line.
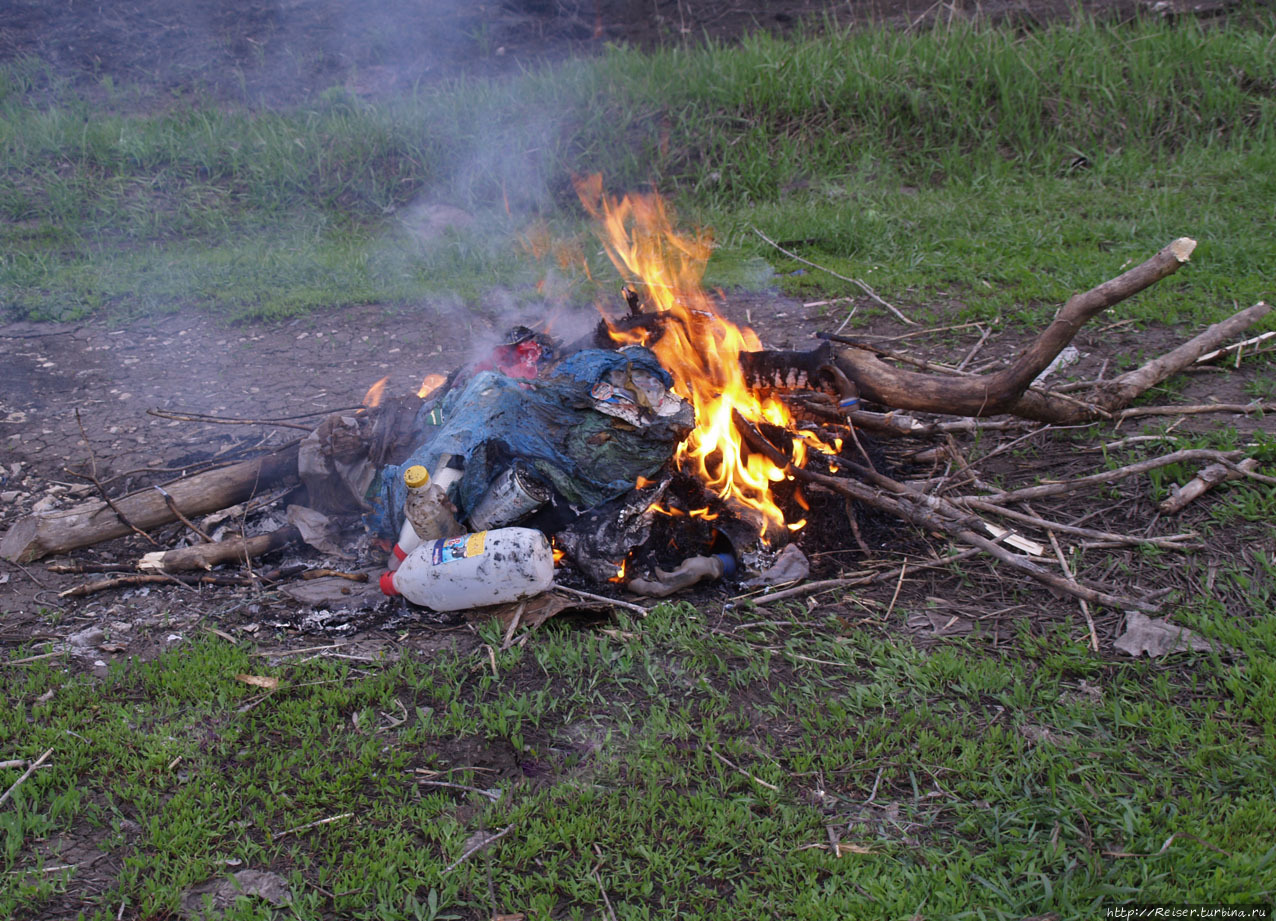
[451, 549]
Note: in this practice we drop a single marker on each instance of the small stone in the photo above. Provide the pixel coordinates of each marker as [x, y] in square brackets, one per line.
[87, 637]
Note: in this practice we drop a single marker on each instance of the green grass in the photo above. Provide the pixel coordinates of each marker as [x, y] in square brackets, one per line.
[610, 755]
[996, 168]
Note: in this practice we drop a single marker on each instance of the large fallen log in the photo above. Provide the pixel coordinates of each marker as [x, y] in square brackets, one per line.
[42, 535]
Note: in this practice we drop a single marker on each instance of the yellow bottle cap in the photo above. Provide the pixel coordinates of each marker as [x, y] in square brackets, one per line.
[416, 476]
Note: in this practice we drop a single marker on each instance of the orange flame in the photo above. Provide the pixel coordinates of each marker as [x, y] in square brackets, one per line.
[372, 399]
[698, 347]
[431, 383]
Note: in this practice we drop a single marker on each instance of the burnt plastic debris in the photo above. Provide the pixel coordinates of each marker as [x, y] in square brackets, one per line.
[523, 354]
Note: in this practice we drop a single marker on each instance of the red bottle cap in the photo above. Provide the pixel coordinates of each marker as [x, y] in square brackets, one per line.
[387, 583]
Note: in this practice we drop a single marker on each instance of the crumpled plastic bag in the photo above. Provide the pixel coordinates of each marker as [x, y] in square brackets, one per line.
[582, 429]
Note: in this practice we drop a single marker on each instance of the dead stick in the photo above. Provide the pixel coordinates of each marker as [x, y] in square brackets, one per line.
[29, 771]
[306, 415]
[330, 819]
[102, 489]
[853, 582]
[80, 567]
[1189, 455]
[970, 356]
[1168, 542]
[334, 574]
[476, 848]
[206, 556]
[611, 912]
[1067, 571]
[930, 512]
[735, 767]
[40, 657]
[172, 507]
[1235, 347]
[855, 281]
[1122, 390]
[1007, 390]
[216, 420]
[123, 581]
[41, 535]
[188, 579]
[589, 596]
[1203, 482]
[493, 795]
[917, 509]
[1196, 409]
[903, 571]
[282, 653]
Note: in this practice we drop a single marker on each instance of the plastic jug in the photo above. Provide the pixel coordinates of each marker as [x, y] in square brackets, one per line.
[473, 570]
[428, 514]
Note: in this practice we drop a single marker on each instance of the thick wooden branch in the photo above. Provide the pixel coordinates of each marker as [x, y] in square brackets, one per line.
[45, 534]
[1007, 390]
[1120, 392]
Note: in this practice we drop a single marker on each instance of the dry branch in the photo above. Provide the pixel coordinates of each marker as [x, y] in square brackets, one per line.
[932, 513]
[1204, 481]
[31, 769]
[1007, 390]
[1118, 393]
[206, 556]
[1197, 409]
[93, 478]
[1104, 477]
[1237, 347]
[130, 579]
[941, 515]
[1167, 542]
[48, 533]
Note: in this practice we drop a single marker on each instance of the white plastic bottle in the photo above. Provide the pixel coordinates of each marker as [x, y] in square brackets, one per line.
[428, 515]
[473, 570]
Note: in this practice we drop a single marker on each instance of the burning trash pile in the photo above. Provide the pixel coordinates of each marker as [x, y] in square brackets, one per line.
[625, 456]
